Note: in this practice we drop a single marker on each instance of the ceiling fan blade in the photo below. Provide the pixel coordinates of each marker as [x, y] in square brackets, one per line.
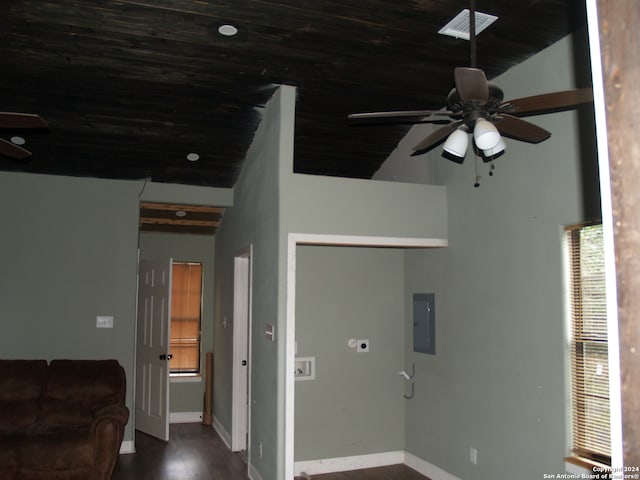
[21, 120]
[435, 138]
[548, 102]
[471, 84]
[407, 114]
[518, 129]
[8, 149]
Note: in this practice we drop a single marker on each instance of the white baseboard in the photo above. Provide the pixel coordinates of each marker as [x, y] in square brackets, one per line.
[127, 446]
[426, 468]
[185, 417]
[344, 464]
[222, 432]
[253, 473]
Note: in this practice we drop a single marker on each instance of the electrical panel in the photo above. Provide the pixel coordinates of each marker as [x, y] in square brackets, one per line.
[424, 323]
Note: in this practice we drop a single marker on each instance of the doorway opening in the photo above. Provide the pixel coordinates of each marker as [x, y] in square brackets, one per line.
[241, 370]
[186, 233]
[294, 240]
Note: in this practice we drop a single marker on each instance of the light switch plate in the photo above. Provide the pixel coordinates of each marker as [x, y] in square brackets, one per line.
[269, 332]
[104, 321]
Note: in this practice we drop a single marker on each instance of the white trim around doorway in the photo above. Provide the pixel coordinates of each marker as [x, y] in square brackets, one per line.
[293, 240]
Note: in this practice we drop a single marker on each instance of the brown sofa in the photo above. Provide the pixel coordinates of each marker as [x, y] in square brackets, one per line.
[61, 421]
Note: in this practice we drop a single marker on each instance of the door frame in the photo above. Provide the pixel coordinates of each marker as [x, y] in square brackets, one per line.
[241, 375]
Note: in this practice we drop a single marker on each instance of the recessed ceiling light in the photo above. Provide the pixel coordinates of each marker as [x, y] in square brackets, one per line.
[18, 140]
[193, 157]
[181, 213]
[227, 30]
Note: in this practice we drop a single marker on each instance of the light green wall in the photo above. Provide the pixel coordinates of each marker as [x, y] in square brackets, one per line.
[174, 193]
[346, 206]
[270, 203]
[187, 397]
[69, 253]
[498, 380]
[355, 406]
[253, 221]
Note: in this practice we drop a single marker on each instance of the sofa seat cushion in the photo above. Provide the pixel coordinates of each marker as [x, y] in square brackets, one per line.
[56, 451]
[20, 389]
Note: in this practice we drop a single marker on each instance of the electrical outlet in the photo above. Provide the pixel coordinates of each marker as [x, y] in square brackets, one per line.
[104, 321]
[473, 456]
[305, 368]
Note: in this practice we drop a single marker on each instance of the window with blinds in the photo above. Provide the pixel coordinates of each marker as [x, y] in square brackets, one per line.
[186, 309]
[589, 349]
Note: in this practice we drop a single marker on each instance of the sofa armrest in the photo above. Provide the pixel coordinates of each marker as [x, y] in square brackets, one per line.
[107, 430]
[118, 413]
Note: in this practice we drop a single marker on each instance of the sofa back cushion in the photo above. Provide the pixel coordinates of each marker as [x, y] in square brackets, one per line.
[76, 389]
[20, 389]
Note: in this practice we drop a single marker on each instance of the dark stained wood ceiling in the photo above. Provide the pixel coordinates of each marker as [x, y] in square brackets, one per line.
[129, 88]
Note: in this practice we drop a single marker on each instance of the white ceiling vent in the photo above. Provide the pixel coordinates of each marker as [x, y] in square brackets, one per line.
[459, 26]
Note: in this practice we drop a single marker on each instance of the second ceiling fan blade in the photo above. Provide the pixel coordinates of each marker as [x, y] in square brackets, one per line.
[548, 102]
[435, 138]
[518, 129]
[8, 149]
[21, 120]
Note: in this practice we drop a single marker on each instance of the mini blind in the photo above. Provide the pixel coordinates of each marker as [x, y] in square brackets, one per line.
[186, 307]
[589, 359]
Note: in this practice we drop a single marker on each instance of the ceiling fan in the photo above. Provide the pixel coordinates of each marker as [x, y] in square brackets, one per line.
[19, 122]
[478, 107]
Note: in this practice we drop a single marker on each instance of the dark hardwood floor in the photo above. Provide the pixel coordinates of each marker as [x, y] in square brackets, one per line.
[393, 472]
[195, 451]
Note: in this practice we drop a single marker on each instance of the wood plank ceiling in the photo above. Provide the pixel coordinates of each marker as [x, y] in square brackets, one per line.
[174, 218]
[130, 87]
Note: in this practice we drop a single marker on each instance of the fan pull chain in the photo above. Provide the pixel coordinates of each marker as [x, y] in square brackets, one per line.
[492, 167]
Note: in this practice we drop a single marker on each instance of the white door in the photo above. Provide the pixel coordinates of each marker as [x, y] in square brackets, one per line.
[152, 347]
[241, 351]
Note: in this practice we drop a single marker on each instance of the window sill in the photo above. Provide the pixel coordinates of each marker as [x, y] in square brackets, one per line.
[185, 378]
[582, 466]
